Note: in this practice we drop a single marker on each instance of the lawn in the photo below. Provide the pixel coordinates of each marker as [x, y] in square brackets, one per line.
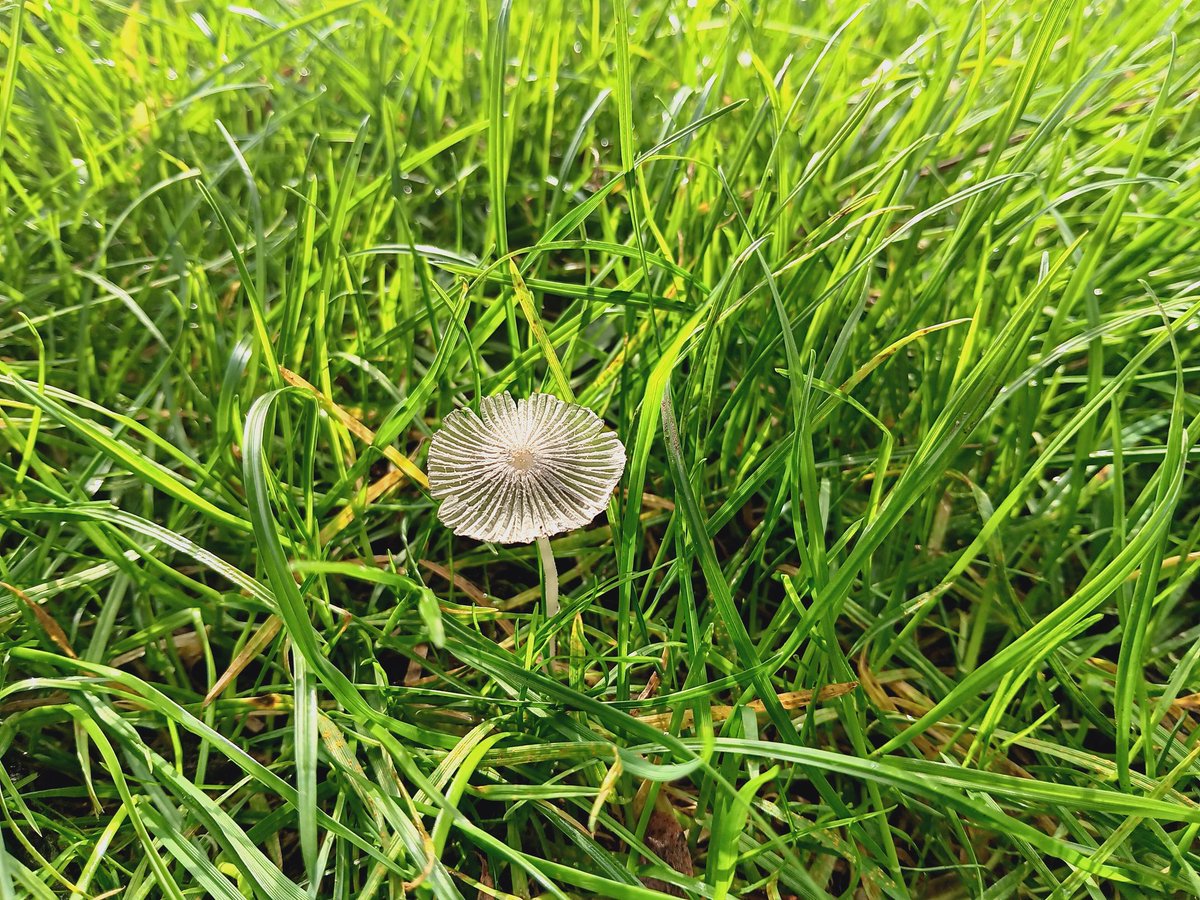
[895, 308]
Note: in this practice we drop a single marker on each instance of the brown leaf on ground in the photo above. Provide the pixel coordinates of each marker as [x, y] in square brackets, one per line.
[666, 837]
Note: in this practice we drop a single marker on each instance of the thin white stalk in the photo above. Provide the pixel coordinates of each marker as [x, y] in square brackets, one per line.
[550, 576]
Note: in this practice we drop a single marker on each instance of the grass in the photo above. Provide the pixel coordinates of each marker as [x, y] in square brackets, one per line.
[895, 308]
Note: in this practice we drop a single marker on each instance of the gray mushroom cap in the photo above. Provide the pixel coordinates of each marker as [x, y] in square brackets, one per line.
[522, 469]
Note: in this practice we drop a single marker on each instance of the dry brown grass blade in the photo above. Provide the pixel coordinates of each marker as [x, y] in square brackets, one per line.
[469, 588]
[385, 484]
[653, 501]
[465, 585]
[187, 644]
[1169, 562]
[412, 675]
[265, 634]
[52, 628]
[357, 428]
[788, 699]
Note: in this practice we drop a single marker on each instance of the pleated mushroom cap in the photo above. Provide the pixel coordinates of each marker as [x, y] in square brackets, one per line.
[522, 469]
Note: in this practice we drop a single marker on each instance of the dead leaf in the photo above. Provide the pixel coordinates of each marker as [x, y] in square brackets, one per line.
[666, 837]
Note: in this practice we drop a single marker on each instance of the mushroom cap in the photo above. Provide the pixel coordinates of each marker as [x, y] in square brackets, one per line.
[522, 469]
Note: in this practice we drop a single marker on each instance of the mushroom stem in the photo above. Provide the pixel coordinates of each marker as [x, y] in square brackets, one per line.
[550, 576]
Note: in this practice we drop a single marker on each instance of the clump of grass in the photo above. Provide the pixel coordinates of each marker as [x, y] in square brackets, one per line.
[894, 308]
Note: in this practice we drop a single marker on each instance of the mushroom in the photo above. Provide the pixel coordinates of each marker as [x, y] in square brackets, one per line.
[522, 471]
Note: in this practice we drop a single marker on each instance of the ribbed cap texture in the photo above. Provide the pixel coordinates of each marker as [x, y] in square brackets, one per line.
[522, 469]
